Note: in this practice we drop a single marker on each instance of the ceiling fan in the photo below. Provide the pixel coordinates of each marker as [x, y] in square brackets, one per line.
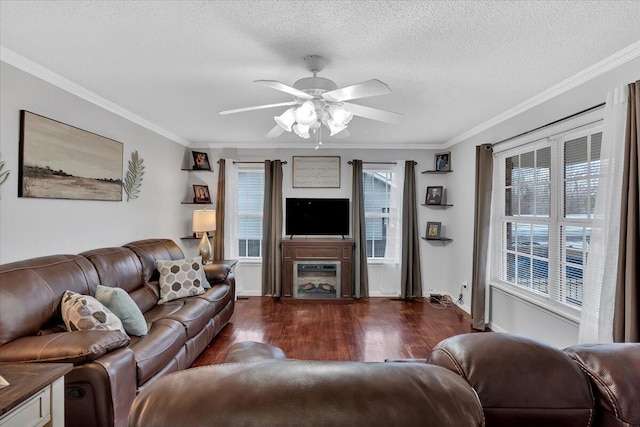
[318, 101]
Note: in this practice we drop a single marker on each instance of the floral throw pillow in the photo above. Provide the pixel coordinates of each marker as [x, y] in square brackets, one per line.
[83, 313]
[181, 278]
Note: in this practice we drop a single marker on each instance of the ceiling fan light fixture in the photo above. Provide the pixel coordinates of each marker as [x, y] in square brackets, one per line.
[286, 119]
[340, 115]
[306, 114]
[335, 127]
[301, 130]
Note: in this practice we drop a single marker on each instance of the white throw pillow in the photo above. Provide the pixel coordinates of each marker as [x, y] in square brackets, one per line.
[181, 278]
[83, 313]
[122, 305]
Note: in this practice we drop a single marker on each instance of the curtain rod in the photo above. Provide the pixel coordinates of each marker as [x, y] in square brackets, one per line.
[375, 163]
[595, 107]
[284, 162]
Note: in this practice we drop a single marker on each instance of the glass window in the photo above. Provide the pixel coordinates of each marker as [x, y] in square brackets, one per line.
[545, 224]
[377, 200]
[250, 201]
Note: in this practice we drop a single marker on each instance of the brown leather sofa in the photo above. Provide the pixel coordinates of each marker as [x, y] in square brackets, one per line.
[469, 380]
[110, 368]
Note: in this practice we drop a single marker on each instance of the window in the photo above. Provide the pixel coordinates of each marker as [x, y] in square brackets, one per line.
[377, 201]
[249, 208]
[546, 195]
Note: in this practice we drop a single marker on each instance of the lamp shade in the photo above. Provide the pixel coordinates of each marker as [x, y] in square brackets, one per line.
[204, 220]
[306, 114]
[286, 119]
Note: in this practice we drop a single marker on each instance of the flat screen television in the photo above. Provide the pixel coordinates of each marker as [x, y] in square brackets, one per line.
[314, 217]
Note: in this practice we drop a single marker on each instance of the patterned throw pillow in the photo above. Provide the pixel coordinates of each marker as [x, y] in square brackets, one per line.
[122, 305]
[181, 278]
[83, 313]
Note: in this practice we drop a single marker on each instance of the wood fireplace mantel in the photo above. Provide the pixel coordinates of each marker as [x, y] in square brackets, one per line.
[339, 250]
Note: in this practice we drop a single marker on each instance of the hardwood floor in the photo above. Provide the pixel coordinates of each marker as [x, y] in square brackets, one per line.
[368, 330]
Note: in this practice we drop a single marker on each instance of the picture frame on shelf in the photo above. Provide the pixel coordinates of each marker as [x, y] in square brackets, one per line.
[442, 161]
[434, 195]
[433, 230]
[201, 161]
[201, 194]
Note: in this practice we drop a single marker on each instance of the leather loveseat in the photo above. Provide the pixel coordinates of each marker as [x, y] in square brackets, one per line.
[110, 367]
[468, 380]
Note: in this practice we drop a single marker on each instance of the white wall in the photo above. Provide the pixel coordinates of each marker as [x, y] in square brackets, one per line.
[32, 227]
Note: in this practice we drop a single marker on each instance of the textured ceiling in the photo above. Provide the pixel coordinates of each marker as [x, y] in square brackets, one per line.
[451, 65]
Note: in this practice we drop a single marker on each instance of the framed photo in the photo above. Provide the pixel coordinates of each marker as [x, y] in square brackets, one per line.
[201, 161]
[433, 230]
[201, 194]
[316, 172]
[434, 195]
[59, 161]
[443, 161]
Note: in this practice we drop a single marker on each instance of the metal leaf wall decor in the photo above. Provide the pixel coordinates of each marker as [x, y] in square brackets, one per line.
[133, 179]
[3, 175]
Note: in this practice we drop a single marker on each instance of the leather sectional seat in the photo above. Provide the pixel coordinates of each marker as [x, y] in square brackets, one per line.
[478, 379]
[110, 367]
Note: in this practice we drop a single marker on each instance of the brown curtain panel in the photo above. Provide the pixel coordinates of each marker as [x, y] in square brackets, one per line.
[410, 275]
[218, 236]
[272, 229]
[626, 319]
[360, 267]
[482, 217]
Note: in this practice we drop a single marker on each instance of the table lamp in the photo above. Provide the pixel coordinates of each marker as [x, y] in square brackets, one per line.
[204, 221]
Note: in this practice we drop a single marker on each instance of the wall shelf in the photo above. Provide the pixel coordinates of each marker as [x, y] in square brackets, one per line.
[435, 171]
[442, 239]
[196, 170]
[443, 206]
[191, 203]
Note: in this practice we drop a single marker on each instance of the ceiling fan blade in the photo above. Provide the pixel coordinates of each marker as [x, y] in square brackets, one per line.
[366, 89]
[275, 132]
[257, 107]
[342, 134]
[284, 88]
[373, 113]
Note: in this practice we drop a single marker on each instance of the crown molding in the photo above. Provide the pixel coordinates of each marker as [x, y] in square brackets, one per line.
[617, 59]
[304, 144]
[12, 58]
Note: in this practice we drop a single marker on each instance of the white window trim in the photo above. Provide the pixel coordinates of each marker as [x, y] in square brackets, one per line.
[588, 123]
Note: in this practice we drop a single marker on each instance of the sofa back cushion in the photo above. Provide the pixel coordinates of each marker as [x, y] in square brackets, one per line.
[31, 291]
[151, 250]
[520, 381]
[614, 372]
[303, 393]
[121, 268]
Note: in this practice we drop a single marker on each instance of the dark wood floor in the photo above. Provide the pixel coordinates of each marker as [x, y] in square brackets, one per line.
[369, 330]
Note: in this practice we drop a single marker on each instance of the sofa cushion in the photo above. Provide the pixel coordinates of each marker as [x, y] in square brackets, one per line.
[75, 347]
[151, 250]
[31, 290]
[156, 349]
[120, 303]
[614, 372]
[309, 393]
[181, 278]
[192, 313]
[85, 313]
[520, 381]
[218, 296]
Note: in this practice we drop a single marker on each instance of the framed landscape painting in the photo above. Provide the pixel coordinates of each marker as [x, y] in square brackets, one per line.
[59, 161]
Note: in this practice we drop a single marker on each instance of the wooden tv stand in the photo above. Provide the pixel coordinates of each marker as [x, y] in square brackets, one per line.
[330, 250]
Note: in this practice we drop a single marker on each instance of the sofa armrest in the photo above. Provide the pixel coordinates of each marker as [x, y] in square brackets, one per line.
[216, 273]
[75, 347]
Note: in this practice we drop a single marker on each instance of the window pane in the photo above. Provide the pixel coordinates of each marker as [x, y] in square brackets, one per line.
[250, 196]
[575, 158]
[577, 198]
[512, 165]
[511, 202]
[377, 200]
[527, 167]
[542, 200]
[596, 145]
